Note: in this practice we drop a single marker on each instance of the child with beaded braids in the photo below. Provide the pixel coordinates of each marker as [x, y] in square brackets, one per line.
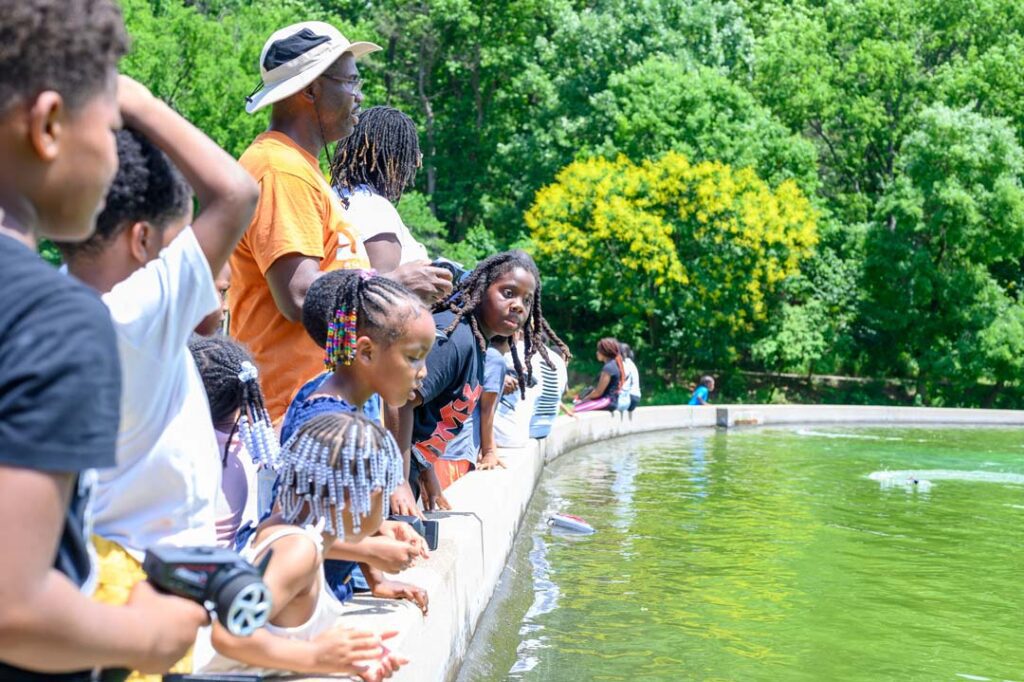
[335, 475]
[247, 440]
[376, 335]
[438, 427]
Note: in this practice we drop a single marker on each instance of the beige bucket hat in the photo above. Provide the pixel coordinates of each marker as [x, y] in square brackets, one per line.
[295, 55]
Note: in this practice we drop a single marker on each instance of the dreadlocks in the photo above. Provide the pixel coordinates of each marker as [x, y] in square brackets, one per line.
[230, 379]
[342, 304]
[382, 152]
[332, 457]
[469, 295]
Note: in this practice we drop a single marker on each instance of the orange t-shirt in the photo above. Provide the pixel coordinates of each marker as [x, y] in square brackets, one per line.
[298, 213]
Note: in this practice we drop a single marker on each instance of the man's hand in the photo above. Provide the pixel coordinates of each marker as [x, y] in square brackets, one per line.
[403, 503]
[489, 460]
[511, 384]
[429, 283]
[403, 532]
[430, 491]
[175, 621]
[393, 589]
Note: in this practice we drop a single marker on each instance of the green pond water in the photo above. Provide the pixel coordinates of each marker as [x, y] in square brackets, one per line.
[770, 554]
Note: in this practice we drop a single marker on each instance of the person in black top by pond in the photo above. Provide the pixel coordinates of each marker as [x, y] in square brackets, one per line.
[60, 380]
[605, 394]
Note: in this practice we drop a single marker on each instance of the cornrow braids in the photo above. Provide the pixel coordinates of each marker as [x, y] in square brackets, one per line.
[382, 152]
[336, 459]
[231, 382]
[469, 295]
[343, 304]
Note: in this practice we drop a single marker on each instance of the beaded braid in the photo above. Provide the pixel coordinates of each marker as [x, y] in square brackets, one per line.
[336, 460]
[232, 384]
[469, 294]
[344, 303]
[382, 152]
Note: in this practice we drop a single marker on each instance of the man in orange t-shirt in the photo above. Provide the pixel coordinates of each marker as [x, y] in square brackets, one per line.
[298, 232]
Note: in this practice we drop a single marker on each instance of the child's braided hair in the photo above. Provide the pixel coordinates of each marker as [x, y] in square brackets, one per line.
[383, 152]
[342, 304]
[231, 382]
[469, 294]
[332, 457]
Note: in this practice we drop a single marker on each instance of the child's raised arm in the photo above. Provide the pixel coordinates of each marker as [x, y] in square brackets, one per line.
[227, 194]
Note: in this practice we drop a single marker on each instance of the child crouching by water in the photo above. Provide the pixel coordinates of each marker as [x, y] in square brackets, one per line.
[335, 476]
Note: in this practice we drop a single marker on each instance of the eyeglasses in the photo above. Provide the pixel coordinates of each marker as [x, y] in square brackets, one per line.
[354, 83]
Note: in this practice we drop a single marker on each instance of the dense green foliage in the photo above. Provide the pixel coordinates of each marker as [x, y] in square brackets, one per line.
[889, 131]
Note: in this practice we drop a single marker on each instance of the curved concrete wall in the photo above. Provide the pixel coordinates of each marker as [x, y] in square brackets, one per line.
[477, 536]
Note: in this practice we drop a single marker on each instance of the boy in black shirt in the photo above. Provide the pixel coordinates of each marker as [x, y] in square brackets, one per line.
[59, 376]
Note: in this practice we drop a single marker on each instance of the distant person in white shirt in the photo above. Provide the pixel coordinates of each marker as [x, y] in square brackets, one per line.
[512, 419]
[551, 384]
[372, 167]
[631, 386]
[154, 273]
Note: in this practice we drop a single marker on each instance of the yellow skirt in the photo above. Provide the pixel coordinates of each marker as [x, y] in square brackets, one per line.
[117, 573]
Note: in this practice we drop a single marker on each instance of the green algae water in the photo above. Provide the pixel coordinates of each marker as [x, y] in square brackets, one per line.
[818, 553]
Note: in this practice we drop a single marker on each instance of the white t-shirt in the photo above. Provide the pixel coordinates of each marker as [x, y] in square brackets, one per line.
[165, 485]
[512, 419]
[374, 215]
[632, 383]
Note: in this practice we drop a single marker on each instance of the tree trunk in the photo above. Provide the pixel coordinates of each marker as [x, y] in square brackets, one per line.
[428, 115]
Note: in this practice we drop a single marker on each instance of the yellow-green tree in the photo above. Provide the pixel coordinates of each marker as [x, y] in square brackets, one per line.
[687, 258]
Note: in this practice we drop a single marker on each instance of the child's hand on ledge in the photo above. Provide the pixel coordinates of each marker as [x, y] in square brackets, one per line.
[384, 666]
[430, 491]
[389, 555]
[490, 460]
[403, 532]
[393, 589]
[403, 503]
[344, 650]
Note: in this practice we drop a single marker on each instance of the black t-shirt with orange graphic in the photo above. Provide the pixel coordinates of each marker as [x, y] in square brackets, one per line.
[445, 425]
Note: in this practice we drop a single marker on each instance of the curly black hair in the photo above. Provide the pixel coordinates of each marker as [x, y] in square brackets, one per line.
[69, 46]
[383, 152]
[469, 294]
[147, 187]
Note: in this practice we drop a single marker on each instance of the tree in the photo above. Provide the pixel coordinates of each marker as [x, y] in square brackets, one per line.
[952, 219]
[687, 257]
[663, 104]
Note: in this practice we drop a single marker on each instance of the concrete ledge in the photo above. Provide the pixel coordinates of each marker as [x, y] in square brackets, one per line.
[745, 415]
[476, 538]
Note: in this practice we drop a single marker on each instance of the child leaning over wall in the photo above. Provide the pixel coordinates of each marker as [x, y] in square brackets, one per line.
[59, 368]
[335, 476]
[501, 296]
[154, 273]
[376, 335]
